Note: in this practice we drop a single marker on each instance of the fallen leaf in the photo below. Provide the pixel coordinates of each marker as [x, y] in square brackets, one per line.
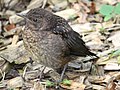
[74, 86]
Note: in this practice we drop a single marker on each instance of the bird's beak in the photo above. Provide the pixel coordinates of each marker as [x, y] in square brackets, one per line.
[23, 15]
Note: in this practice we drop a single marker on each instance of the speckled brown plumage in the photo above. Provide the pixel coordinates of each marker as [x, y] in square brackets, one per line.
[50, 40]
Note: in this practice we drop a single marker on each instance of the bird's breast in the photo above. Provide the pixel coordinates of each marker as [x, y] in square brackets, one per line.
[45, 47]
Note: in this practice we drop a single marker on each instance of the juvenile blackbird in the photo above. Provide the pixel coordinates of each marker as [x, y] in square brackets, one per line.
[50, 40]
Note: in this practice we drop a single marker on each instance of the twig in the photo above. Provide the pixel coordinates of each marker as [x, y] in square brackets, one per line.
[113, 27]
[44, 3]
[24, 72]
[3, 74]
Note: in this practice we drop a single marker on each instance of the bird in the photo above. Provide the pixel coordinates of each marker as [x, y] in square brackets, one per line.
[50, 40]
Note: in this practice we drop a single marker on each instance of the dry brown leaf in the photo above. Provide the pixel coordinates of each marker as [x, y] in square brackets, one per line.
[9, 27]
[74, 86]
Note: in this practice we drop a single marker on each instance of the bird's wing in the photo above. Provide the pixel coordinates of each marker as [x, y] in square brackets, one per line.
[73, 41]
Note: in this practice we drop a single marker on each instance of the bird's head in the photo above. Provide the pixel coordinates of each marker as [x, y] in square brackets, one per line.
[38, 18]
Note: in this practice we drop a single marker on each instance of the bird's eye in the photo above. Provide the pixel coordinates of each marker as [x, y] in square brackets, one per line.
[35, 20]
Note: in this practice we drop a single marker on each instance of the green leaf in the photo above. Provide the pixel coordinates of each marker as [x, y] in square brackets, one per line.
[108, 17]
[118, 59]
[117, 9]
[66, 82]
[49, 83]
[106, 9]
[72, 17]
[10, 89]
[116, 53]
[102, 30]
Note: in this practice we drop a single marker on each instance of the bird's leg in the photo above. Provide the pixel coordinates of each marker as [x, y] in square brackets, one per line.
[61, 77]
[41, 72]
[63, 72]
[56, 74]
